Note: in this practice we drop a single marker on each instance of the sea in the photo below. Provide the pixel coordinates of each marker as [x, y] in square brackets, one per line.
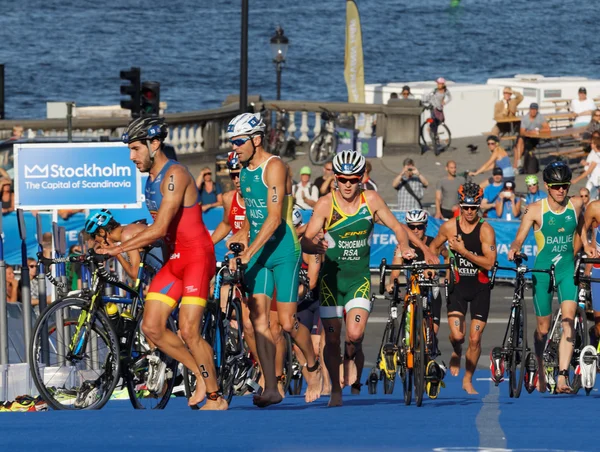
[73, 50]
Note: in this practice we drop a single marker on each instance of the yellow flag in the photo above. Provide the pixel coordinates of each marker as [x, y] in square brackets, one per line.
[354, 71]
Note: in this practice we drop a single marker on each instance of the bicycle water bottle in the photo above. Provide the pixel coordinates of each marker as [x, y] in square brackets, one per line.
[407, 324]
[113, 314]
[127, 324]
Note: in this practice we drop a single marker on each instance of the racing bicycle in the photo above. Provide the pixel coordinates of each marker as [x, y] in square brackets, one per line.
[438, 141]
[514, 356]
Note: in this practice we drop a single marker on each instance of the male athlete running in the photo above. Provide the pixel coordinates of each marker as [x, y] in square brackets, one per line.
[554, 222]
[172, 199]
[472, 244]
[273, 255]
[347, 216]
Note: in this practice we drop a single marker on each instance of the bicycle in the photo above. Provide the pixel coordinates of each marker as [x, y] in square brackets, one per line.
[414, 342]
[438, 141]
[276, 136]
[79, 373]
[551, 348]
[588, 357]
[236, 372]
[514, 345]
[322, 147]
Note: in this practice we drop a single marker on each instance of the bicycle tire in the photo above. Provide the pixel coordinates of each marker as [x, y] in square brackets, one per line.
[390, 336]
[419, 350]
[288, 361]
[517, 363]
[320, 152]
[404, 371]
[136, 369]
[444, 138]
[581, 340]
[232, 347]
[104, 330]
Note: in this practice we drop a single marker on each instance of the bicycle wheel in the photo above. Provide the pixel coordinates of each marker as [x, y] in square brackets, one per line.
[419, 351]
[135, 370]
[86, 377]
[550, 355]
[404, 370]
[322, 148]
[581, 340]
[428, 139]
[288, 361]
[233, 350]
[518, 353]
[389, 357]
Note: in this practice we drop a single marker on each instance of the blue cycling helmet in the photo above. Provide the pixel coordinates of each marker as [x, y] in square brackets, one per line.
[233, 162]
[97, 219]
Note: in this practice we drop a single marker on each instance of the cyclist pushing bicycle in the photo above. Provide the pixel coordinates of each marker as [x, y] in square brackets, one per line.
[173, 201]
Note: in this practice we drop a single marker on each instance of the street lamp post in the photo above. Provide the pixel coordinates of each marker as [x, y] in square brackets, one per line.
[279, 47]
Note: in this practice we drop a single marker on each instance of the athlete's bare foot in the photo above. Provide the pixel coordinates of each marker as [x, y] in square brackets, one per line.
[199, 394]
[355, 388]
[314, 386]
[468, 387]
[215, 405]
[454, 364]
[281, 387]
[350, 373]
[326, 387]
[562, 387]
[335, 399]
[541, 385]
[270, 397]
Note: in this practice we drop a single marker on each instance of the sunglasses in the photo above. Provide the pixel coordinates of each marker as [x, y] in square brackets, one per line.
[491, 143]
[32, 266]
[419, 227]
[469, 207]
[234, 176]
[239, 141]
[345, 180]
[532, 185]
[564, 187]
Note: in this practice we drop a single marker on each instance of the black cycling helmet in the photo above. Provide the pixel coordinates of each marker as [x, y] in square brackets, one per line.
[557, 173]
[146, 128]
[470, 194]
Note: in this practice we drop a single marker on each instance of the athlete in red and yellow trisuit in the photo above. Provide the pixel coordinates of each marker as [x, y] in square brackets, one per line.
[172, 199]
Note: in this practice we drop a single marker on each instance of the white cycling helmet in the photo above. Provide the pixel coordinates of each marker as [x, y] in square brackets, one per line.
[349, 163]
[416, 216]
[296, 217]
[245, 124]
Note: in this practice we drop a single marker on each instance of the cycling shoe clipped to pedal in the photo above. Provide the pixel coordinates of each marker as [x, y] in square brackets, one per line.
[497, 365]
[587, 363]
[372, 381]
[434, 374]
[531, 373]
[389, 358]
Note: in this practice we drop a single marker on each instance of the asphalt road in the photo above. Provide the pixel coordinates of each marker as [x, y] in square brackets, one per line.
[492, 336]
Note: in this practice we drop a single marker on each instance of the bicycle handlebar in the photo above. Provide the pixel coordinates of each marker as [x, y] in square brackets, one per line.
[520, 269]
[584, 261]
[414, 267]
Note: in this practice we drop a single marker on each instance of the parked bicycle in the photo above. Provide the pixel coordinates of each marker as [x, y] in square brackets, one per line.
[276, 142]
[436, 139]
[514, 356]
[93, 348]
[410, 341]
[323, 146]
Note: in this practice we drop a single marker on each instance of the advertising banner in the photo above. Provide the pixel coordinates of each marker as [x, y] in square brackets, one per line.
[75, 175]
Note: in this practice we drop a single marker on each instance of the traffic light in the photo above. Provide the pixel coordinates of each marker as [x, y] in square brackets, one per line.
[132, 90]
[150, 99]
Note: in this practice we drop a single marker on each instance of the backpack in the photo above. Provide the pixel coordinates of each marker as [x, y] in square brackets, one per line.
[531, 164]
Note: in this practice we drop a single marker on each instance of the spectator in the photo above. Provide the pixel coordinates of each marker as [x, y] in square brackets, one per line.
[534, 193]
[8, 197]
[12, 285]
[393, 96]
[446, 193]
[491, 192]
[34, 285]
[65, 214]
[210, 191]
[585, 195]
[583, 108]
[594, 125]
[533, 123]
[74, 269]
[305, 194]
[438, 98]
[499, 159]
[17, 132]
[506, 108]
[508, 204]
[47, 244]
[323, 183]
[368, 183]
[406, 94]
[411, 185]
[592, 169]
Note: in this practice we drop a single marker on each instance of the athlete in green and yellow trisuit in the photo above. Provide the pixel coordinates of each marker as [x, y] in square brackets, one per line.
[554, 221]
[346, 216]
[273, 254]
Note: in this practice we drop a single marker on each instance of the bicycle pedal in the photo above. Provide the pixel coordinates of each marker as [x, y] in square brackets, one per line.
[254, 387]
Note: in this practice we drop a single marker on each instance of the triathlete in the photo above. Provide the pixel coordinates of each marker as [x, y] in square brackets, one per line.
[472, 244]
[273, 255]
[234, 209]
[347, 216]
[172, 199]
[554, 222]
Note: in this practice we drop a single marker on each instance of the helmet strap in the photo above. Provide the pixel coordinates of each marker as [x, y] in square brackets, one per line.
[151, 153]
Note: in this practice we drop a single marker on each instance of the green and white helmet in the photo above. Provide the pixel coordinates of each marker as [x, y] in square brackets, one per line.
[532, 179]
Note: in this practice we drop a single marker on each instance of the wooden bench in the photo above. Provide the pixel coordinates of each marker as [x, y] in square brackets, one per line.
[570, 154]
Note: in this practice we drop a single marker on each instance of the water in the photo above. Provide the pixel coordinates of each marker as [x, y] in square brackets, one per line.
[59, 50]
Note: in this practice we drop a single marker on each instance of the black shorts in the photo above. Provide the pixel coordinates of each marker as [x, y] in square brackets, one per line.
[309, 316]
[478, 297]
[529, 143]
